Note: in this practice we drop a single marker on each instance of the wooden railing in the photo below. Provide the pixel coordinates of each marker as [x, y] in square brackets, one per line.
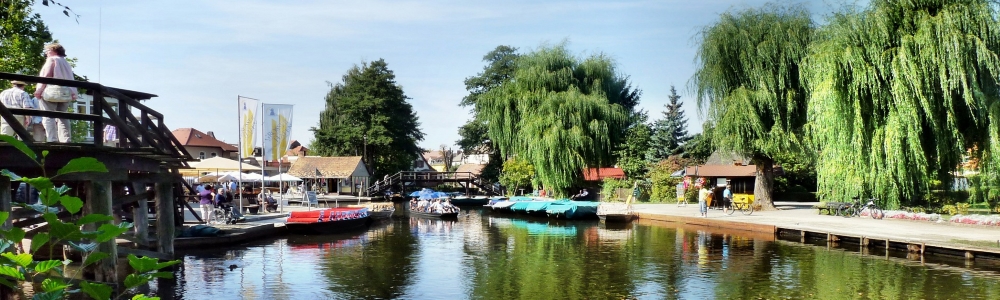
[413, 176]
[142, 131]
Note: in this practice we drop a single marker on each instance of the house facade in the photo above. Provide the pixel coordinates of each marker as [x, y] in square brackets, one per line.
[204, 145]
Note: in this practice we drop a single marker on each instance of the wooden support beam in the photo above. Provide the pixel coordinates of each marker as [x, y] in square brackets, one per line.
[165, 213]
[99, 202]
[140, 214]
[5, 199]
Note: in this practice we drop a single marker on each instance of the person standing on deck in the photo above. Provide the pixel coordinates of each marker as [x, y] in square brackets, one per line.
[14, 97]
[207, 203]
[55, 66]
[34, 123]
[727, 198]
[703, 195]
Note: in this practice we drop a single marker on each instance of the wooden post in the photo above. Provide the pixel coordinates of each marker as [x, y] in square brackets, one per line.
[141, 214]
[5, 199]
[165, 217]
[99, 202]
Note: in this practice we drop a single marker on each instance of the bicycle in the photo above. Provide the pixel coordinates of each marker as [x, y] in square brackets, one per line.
[855, 209]
[741, 204]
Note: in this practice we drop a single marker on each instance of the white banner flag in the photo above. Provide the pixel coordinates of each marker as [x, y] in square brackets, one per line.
[248, 109]
[277, 129]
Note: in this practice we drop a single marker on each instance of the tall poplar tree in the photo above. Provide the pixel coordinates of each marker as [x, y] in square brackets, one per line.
[748, 77]
[560, 113]
[900, 91]
[670, 132]
[367, 114]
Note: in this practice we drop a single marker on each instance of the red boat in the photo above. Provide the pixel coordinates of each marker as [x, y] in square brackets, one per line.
[326, 221]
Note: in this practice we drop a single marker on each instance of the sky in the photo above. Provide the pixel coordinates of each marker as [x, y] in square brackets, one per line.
[199, 56]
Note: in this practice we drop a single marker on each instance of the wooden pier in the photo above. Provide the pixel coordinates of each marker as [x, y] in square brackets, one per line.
[143, 165]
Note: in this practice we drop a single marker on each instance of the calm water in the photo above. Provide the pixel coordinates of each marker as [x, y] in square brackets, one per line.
[483, 256]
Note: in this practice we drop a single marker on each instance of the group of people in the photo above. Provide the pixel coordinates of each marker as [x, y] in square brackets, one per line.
[209, 198]
[705, 194]
[45, 97]
[436, 206]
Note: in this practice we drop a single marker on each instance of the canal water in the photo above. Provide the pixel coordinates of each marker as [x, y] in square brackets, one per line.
[485, 256]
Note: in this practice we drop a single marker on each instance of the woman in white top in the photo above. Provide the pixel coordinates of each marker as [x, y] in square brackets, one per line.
[55, 66]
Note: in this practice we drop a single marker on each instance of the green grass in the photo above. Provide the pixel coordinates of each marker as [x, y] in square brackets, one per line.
[983, 244]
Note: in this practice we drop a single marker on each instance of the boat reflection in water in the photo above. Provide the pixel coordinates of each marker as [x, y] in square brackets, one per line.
[482, 256]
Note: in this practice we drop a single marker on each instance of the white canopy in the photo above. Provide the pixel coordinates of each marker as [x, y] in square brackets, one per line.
[282, 177]
[222, 164]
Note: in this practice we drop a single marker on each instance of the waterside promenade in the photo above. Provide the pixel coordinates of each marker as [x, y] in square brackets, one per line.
[801, 219]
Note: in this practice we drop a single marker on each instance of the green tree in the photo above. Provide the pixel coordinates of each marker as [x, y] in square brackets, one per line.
[517, 173]
[631, 155]
[367, 114]
[670, 132]
[501, 63]
[700, 147]
[560, 113]
[748, 77]
[22, 39]
[900, 91]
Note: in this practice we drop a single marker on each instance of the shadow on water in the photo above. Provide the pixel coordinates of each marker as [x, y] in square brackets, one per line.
[486, 256]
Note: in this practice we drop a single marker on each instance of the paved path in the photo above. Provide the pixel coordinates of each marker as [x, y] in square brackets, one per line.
[801, 216]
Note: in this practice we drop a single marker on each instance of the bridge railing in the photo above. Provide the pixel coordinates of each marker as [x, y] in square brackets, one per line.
[417, 176]
[138, 127]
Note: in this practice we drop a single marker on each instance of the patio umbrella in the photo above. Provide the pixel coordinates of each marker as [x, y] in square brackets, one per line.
[415, 194]
[282, 177]
[222, 164]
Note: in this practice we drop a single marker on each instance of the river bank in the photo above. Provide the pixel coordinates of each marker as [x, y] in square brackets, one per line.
[801, 219]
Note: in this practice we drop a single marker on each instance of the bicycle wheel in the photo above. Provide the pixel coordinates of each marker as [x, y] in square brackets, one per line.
[729, 208]
[747, 209]
[219, 217]
[876, 212]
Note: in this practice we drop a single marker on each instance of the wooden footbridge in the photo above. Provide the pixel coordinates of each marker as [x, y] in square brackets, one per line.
[143, 165]
[408, 179]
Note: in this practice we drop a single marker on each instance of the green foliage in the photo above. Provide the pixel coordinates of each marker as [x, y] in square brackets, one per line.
[19, 267]
[22, 39]
[900, 91]
[700, 146]
[367, 114]
[748, 76]
[663, 188]
[632, 152]
[560, 113]
[501, 64]
[517, 173]
[799, 172]
[669, 133]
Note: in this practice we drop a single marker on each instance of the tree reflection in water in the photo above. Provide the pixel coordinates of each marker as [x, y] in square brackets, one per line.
[485, 256]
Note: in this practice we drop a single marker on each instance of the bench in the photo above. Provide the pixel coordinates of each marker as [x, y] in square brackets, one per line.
[830, 208]
[251, 205]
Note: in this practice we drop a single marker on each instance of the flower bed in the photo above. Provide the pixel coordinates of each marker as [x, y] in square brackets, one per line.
[990, 220]
[902, 215]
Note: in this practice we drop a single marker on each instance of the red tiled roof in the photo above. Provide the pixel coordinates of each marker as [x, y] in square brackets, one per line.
[598, 174]
[193, 137]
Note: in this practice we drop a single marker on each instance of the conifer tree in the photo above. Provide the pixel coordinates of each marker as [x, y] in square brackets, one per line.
[670, 132]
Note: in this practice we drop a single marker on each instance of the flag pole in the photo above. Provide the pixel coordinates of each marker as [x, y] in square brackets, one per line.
[239, 151]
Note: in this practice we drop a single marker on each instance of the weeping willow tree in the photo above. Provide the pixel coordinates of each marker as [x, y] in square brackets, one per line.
[748, 77]
[899, 92]
[559, 113]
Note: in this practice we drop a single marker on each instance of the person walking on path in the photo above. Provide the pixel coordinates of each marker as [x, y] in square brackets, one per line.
[703, 195]
[727, 198]
[53, 97]
[207, 204]
[14, 97]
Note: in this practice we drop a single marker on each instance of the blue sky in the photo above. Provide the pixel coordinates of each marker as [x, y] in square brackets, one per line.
[198, 56]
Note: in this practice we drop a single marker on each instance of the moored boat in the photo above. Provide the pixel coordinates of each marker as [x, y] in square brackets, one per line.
[469, 200]
[433, 215]
[327, 221]
[569, 209]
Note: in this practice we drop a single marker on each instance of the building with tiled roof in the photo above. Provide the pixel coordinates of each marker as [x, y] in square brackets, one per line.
[346, 173]
[598, 174]
[204, 145]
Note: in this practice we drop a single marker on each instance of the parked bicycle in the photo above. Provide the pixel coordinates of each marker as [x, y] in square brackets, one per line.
[857, 208]
[741, 204]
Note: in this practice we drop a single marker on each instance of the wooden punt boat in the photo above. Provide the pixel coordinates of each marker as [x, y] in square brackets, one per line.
[328, 221]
